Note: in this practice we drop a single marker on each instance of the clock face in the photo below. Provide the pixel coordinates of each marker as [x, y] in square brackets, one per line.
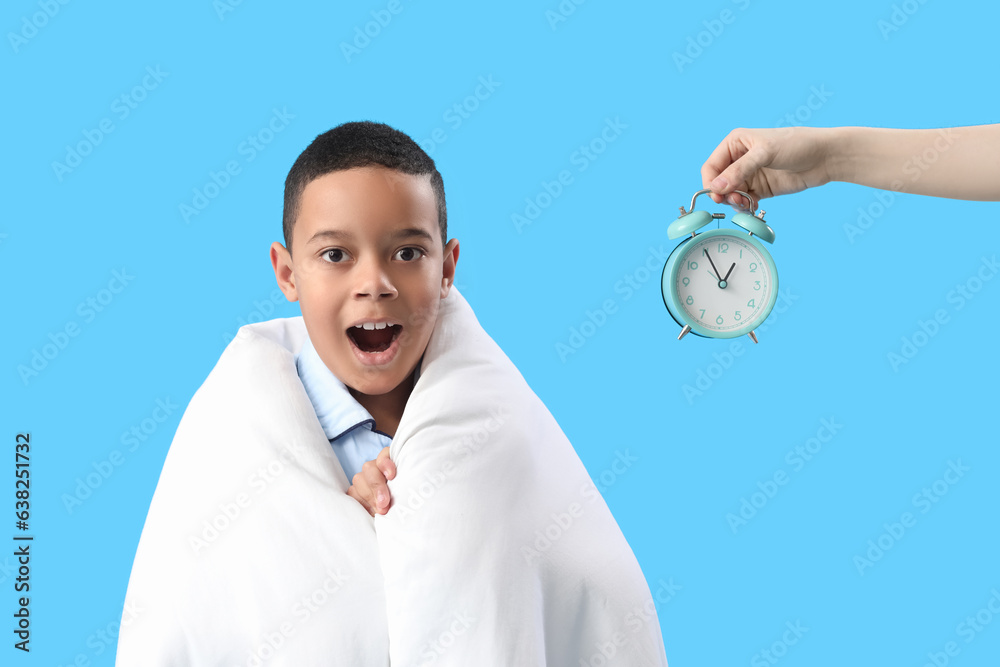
[724, 283]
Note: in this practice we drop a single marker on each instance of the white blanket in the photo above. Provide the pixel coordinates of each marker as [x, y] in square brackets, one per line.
[497, 550]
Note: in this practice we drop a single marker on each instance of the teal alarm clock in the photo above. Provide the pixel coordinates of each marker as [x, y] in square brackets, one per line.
[720, 283]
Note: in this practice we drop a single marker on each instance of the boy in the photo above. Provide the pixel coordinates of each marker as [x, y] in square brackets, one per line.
[364, 209]
[254, 549]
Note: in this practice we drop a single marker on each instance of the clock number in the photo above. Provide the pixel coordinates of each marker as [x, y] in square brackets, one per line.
[753, 267]
[692, 266]
[750, 304]
[737, 316]
[685, 281]
[689, 300]
[719, 320]
[702, 312]
[723, 247]
[756, 284]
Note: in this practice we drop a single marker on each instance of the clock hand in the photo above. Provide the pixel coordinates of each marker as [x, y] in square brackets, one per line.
[705, 250]
[730, 271]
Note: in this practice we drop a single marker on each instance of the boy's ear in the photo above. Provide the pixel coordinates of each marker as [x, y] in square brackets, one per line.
[448, 269]
[281, 262]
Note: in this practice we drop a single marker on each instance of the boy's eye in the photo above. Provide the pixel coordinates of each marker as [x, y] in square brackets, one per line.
[338, 255]
[335, 255]
[410, 254]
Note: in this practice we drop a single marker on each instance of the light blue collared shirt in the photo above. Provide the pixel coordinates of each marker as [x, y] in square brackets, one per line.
[349, 427]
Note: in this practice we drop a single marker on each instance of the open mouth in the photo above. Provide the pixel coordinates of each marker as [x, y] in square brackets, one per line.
[370, 338]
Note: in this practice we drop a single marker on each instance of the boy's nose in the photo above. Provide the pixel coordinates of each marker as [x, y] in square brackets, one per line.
[373, 281]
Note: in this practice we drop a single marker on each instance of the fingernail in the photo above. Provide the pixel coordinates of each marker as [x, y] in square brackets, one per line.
[720, 183]
[381, 498]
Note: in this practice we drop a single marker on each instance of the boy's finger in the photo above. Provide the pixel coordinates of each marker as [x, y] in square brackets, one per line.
[386, 465]
[378, 491]
[354, 494]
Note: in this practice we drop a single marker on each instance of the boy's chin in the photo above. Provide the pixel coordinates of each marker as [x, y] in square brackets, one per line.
[377, 383]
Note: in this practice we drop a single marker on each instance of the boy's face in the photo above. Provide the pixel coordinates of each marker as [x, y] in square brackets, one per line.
[366, 248]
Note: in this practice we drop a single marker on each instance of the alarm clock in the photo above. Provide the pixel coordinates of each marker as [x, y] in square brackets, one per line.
[720, 283]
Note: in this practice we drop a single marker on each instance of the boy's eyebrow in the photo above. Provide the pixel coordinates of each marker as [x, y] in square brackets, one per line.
[347, 236]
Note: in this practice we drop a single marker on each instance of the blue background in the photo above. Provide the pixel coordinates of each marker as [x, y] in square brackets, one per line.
[850, 299]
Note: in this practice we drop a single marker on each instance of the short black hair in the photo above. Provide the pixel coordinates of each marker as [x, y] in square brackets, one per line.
[359, 144]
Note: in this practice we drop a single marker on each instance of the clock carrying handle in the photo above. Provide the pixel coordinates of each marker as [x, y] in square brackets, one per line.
[753, 204]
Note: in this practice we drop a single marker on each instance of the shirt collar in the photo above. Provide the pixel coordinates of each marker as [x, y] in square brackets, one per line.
[338, 411]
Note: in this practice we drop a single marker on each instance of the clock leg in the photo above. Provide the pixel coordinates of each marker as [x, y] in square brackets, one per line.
[684, 331]
[753, 336]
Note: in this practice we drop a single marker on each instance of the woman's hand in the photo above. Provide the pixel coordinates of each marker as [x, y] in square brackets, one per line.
[767, 163]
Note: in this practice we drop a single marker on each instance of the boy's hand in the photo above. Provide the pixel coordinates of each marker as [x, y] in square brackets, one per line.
[369, 487]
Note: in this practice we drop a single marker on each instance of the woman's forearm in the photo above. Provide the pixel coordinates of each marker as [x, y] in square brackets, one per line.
[957, 162]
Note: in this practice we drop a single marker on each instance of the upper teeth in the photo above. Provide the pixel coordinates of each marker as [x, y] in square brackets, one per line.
[373, 325]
